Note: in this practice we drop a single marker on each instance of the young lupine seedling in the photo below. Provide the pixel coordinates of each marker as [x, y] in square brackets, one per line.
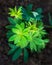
[25, 31]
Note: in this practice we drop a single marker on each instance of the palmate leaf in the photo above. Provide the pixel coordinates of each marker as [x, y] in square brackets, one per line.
[21, 41]
[40, 43]
[37, 44]
[20, 36]
[17, 54]
[13, 11]
[26, 55]
[16, 13]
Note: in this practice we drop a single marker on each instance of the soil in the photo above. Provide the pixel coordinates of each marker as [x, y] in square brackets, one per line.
[42, 58]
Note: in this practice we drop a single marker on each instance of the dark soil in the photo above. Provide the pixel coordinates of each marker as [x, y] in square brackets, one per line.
[42, 58]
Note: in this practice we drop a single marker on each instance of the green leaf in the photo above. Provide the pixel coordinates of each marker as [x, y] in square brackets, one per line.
[29, 7]
[22, 42]
[14, 30]
[33, 46]
[39, 17]
[17, 20]
[11, 20]
[39, 10]
[18, 26]
[40, 43]
[9, 33]
[19, 13]
[11, 51]
[12, 38]
[17, 41]
[12, 46]
[17, 54]
[26, 54]
[22, 25]
[10, 26]
[17, 31]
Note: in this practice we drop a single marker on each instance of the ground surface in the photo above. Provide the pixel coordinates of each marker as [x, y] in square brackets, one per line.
[43, 58]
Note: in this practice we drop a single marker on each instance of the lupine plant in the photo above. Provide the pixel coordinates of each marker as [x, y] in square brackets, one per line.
[25, 32]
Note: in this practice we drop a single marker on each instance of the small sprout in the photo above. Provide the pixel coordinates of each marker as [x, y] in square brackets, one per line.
[16, 13]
